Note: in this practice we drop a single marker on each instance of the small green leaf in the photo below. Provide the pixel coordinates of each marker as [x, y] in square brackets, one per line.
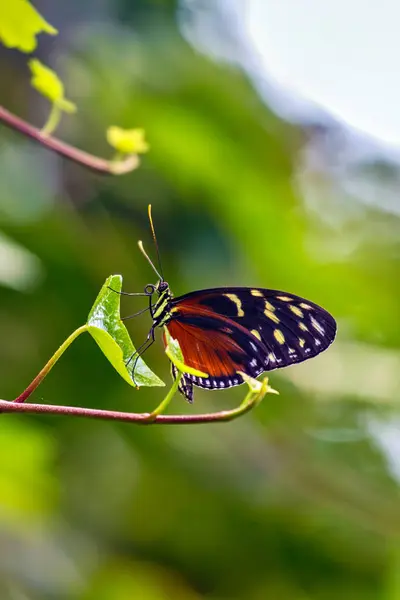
[20, 23]
[47, 83]
[174, 353]
[105, 325]
[127, 141]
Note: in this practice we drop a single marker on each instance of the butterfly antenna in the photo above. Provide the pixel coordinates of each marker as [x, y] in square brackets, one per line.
[143, 251]
[155, 241]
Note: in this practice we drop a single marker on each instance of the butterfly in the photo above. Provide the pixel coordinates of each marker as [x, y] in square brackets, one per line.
[230, 331]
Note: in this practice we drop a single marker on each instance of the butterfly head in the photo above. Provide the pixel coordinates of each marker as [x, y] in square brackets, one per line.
[161, 287]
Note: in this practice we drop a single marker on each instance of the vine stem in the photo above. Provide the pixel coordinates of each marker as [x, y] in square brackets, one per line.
[95, 163]
[52, 121]
[251, 400]
[48, 366]
[164, 403]
[253, 397]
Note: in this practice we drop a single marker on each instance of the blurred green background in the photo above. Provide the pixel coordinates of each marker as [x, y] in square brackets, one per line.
[298, 500]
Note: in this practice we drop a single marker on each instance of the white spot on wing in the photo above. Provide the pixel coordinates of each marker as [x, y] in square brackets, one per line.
[317, 326]
[253, 346]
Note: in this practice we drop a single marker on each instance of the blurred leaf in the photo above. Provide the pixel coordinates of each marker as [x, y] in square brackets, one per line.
[121, 580]
[47, 83]
[393, 583]
[20, 23]
[105, 326]
[26, 484]
[127, 141]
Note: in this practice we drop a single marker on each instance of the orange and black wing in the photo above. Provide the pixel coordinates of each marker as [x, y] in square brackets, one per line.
[225, 330]
[216, 346]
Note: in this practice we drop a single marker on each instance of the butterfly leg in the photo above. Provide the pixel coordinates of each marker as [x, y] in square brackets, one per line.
[140, 351]
[136, 314]
[127, 293]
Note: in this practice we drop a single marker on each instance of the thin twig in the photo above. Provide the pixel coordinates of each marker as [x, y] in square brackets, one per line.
[139, 418]
[100, 165]
[49, 365]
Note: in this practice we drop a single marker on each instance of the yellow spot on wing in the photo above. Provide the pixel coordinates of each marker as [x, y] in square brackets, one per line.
[236, 300]
[306, 306]
[302, 342]
[256, 293]
[271, 357]
[303, 327]
[278, 335]
[285, 298]
[296, 310]
[271, 315]
[256, 333]
[269, 306]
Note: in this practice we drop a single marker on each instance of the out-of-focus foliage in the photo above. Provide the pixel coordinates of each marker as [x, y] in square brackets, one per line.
[20, 23]
[298, 499]
[127, 141]
[47, 83]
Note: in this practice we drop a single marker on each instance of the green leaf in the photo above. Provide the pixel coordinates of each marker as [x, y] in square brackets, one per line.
[47, 83]
[105, 325]
[20, 23]
[127, 141]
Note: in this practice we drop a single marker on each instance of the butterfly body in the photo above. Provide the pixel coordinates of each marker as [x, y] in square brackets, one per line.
[225, 332]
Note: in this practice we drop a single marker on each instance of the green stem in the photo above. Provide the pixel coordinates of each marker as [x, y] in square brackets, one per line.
[250, 400]
[46, 369]
[164, 403]
[53, 120]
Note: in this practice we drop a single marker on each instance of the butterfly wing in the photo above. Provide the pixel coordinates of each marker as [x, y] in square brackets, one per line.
[245, 329]
[185, 386]
[217, 346]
